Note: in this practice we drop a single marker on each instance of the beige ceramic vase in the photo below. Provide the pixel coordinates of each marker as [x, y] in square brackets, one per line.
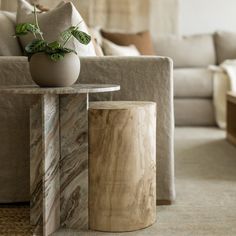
[48, 73]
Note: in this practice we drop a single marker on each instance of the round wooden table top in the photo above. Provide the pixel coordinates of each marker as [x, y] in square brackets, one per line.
[74, 89]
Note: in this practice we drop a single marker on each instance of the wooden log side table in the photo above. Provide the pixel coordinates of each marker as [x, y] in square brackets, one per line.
[122, 166]
[231, 117]
[59, 155]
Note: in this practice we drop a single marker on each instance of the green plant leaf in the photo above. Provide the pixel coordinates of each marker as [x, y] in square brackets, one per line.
[25, 28]
[81, 36]
[37, 45]
[54, 45]
[65, 35]
[21, 29]
[33, 29]
[57, 56]
[68, 50]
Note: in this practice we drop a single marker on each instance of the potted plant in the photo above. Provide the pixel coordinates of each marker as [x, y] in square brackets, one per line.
[52, 64]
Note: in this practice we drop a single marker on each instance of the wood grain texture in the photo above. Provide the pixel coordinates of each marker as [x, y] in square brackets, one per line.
[231, 118]
[44, 165]
[74, 161]
[122, 166]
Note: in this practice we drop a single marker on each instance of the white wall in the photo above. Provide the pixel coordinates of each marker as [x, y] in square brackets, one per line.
[203, 16]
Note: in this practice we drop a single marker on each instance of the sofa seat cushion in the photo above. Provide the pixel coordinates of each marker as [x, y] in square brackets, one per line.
[194, 112]
[190, 51]
[193, 83]
[225, 43]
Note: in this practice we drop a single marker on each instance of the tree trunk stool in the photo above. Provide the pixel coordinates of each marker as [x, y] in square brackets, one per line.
[122, 166]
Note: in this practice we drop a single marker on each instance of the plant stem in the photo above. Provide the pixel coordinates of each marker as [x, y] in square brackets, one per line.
[37, 23]
[64, 44]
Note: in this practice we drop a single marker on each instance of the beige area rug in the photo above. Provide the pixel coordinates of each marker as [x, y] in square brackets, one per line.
[206, 189]
[14, 220]
[206, 192]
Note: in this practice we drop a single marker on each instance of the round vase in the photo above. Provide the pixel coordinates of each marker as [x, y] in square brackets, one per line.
[48, 73]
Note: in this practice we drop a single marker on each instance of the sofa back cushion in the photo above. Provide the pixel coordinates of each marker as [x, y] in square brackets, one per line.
[190, 51]
[9, 46]
[225, 43]
[193, 83]
[53, 23]
[112, 49]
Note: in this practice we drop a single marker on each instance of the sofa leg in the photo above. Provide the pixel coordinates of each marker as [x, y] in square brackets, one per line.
[164, 202]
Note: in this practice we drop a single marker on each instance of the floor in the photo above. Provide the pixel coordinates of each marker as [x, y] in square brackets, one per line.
[206, 189]
[14, 220]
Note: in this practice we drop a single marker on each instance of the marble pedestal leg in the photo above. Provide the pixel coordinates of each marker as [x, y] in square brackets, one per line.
[59, 163]
[74, 161]
[44, 165]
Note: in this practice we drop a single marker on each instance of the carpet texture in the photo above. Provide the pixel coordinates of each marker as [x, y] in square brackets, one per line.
[206, 191]
[14, 220]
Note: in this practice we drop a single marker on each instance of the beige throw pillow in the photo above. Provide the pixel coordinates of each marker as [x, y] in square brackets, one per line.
[54, 22]
[142, 41]
[111, 49]
[97, 41]
[9, 46]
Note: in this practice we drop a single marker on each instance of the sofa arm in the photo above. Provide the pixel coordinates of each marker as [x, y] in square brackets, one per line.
[14, 132]
[14, 71]
[142, 79]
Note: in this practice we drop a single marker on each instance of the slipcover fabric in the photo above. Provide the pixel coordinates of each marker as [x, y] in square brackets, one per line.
[190, 51]
[130, 73]
[193, 83]
[141, 40]
[225, 43]
[194, 112]
[9, 45]
[53, 23]
[111, 49]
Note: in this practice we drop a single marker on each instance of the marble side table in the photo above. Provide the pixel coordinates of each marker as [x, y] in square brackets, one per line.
[59, 155]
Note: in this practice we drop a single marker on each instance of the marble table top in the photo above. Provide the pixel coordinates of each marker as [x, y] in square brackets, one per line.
[74, 89]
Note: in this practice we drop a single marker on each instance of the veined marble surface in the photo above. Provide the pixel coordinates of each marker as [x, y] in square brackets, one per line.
[36, 171]
[44, 165]
[77, 88]
[59, 155]
[74, 161]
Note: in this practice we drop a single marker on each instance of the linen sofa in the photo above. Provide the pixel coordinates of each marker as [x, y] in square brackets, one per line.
[193, 81]
[141, 78]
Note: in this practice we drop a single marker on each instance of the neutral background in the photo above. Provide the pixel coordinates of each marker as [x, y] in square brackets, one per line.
[182, 17]
[203, 16]
[163, 19]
